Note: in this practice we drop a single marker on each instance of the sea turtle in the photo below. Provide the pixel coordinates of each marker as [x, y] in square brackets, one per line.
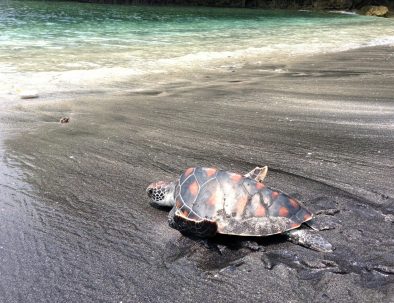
[207, 201]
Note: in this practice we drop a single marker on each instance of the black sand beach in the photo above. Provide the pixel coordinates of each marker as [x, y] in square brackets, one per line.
[76, 224]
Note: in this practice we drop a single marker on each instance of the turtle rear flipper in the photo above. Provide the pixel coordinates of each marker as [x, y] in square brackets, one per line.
[309, 239]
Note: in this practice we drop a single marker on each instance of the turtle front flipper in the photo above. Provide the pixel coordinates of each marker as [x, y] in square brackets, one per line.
[309, 239]
[201, 228]
[258, 174]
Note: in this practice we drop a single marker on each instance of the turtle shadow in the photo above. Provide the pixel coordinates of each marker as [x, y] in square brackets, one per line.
[161, 207]
[218, 252]
[233, 242]
[223, 252]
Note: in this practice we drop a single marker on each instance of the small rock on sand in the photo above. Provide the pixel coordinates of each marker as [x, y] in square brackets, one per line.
[28, 95]
[372, 10]
[64, 120]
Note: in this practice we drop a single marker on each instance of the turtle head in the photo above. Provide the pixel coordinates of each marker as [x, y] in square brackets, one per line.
[162, 193]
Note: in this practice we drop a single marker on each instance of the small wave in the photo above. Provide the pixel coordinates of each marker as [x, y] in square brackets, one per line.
[344, 12]
[381, 41]
[90, 59]
[52, 82]
[67, 82]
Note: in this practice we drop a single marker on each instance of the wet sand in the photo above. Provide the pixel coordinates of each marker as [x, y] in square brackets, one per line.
[77, 226]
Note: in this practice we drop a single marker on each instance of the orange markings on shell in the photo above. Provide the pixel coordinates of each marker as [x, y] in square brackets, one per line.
[307, 217]
[188, 172]
[260, 185]
[274, 194]
[236, 178]
[210, 172]
[241, 204]
[193, 188]
[185, 213]
[283, 212]
[294, 203]
[294, 225]
[178, 203]
[260, 211]
[212, 200]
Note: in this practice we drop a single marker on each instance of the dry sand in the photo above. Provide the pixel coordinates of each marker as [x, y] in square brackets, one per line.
[76, 225]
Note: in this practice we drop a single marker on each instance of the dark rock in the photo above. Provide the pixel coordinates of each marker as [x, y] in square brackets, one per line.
[333, 4]
[251, 245]
[378, 11]
[267, 4]
[267, 262]
[64, 120]
[358, 4]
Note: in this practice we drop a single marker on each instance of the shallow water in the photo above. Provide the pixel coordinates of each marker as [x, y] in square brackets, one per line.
[72, 47]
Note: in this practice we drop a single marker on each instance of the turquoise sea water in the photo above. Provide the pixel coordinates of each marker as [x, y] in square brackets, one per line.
[60, 46]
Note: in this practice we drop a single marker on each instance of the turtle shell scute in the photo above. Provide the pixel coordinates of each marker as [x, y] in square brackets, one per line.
[284, 206]
[189, 190]
[251, 186]
[209, 200]
[204, 175]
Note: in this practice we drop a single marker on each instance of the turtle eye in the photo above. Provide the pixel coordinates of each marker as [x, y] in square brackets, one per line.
[150, 192]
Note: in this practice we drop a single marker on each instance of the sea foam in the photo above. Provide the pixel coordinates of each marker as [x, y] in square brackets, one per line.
[87, 50]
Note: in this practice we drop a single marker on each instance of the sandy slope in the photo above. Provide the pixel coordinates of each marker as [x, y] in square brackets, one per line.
[76, 223]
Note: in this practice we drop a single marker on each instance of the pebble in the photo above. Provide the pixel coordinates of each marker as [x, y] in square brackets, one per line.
[28, 94]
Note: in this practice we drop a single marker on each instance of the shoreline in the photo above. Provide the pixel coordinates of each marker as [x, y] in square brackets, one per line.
[324, 125]
[79, 71]
[152, 83]
[244, 4]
